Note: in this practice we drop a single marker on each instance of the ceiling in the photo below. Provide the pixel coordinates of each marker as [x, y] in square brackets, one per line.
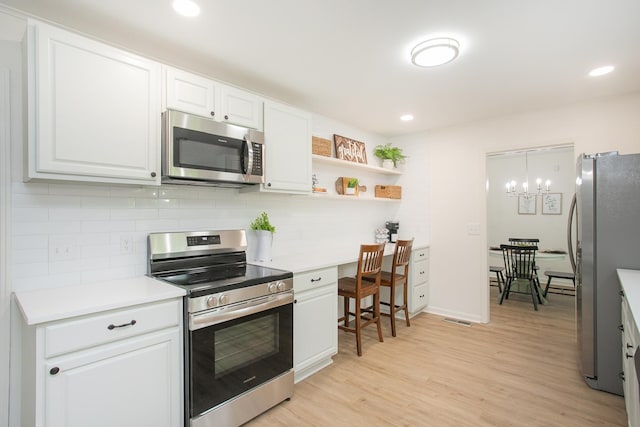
[349, 59]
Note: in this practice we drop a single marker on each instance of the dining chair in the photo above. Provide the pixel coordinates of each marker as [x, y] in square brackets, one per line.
[398, 276]
[525, 241]
[519, 262]
[357, 288]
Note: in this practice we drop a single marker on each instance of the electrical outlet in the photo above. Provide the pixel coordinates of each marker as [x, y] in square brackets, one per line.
[62, 249]
[126, 244]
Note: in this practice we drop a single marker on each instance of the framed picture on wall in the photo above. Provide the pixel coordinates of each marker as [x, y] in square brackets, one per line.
[527, 205]
[552, 204]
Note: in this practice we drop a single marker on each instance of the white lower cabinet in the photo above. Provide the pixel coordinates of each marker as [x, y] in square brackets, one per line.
[315, 314]
[630, 340]
[419, 280]
[119, 368]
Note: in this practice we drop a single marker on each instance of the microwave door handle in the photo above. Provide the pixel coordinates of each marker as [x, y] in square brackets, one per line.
[248, 163]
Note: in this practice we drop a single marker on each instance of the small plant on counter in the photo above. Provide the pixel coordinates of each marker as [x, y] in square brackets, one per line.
[262, 223]
[352, 183]
[387, 152]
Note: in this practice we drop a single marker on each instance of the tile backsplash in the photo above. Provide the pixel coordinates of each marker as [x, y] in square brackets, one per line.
[71, 234]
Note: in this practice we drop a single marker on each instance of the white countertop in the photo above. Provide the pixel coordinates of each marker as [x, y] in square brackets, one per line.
[323, 258]
[630, 282]
[47, 305]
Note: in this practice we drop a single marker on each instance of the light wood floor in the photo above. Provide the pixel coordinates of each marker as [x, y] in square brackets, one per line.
[518, 370]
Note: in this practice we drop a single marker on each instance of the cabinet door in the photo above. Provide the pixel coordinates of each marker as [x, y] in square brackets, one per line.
[94, 110]
[315, 335]
[133, 383]
[191, 93]
[418, 298]
[287, 133]
[241, 108]
[630, 384]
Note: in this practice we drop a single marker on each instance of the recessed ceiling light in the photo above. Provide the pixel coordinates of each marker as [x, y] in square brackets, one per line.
[406, 117]
[434, 52]
[186, 7]
[601, 71]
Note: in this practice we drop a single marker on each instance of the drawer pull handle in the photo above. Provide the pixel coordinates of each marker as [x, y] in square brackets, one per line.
[54, 371]
[316, 280]
[112, 326]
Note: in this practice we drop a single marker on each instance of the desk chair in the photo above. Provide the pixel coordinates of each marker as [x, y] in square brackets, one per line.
[357, 288]
[519, 264]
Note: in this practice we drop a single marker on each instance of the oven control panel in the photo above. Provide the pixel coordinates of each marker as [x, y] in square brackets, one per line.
[213, 239]
[233, 296]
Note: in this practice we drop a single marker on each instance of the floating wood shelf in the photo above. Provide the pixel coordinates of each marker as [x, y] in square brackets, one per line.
[353, 165]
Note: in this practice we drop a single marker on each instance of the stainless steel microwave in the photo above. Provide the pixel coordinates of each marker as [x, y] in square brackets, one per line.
[200, 151]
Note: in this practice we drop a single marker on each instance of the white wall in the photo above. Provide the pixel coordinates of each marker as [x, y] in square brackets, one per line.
[457, 200]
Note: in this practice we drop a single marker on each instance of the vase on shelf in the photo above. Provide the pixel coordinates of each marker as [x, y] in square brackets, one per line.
[387, 164]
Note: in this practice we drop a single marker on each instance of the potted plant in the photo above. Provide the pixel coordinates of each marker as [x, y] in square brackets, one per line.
[390, 155]
[264, 237]
[352, 185]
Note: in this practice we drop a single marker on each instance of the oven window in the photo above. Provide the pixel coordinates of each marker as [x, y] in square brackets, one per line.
[245, 343]
[229, 358]
[193, 149]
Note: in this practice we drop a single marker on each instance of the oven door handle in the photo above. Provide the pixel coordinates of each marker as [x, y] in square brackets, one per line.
[245, 308]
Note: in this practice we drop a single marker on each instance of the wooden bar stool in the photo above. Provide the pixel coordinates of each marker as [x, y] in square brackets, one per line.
[369, 265]
[395, 278]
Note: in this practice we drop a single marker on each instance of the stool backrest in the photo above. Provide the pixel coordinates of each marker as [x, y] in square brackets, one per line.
[370, 261]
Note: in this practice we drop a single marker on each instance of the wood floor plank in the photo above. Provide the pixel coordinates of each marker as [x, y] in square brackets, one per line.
[518, 370]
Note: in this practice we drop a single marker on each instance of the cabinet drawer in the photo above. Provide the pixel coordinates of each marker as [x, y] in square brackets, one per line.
[314, 279]
[99, 329]
[420, 254]
[421, 271]
[419, 298]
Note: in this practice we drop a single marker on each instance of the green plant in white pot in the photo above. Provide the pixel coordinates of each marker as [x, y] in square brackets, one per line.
[389, 155]
[352, 184]
[264, 237]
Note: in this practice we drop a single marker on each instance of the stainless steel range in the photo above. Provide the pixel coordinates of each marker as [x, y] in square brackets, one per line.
[238, 325]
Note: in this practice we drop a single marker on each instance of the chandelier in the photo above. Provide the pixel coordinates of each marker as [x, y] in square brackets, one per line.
[511, 186]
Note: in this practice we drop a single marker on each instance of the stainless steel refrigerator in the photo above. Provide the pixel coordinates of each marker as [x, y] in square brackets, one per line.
[605, 215]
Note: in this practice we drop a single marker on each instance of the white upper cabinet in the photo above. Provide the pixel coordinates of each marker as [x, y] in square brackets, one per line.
[94, 110]
[241, 108]
[287, 136]
[191, 93]
[198, 95]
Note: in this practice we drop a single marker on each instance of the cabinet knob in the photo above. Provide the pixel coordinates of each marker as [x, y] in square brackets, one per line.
[226, 117]
[621, 328]
[153, 174]
[268, 184]
[54, 371]
[621, 375]
[213, 113]
[316, 280]
[628, 356]
[295, 301]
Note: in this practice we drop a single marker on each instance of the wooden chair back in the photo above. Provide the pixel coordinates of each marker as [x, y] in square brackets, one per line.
[519, 261]
[523, 241]
[370, 262]
[401, 256]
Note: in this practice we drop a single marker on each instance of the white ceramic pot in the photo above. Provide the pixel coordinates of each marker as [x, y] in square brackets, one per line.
[264, 240]
[387, 164]
[350, 190]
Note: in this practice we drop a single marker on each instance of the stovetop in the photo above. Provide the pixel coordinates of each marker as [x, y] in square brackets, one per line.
[214, 280]
[207, 262]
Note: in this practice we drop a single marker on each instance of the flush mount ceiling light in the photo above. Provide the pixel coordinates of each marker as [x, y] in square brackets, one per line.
[406, 117]
[601, 71]
[186, 8]
[434, 52]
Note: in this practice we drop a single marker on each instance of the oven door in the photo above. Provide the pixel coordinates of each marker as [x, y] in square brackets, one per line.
[236, 348]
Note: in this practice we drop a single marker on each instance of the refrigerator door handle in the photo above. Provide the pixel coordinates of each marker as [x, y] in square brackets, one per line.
[572, 210]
